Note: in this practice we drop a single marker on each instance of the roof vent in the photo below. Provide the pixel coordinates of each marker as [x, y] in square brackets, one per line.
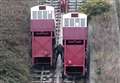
[42, 7]
[74, 15]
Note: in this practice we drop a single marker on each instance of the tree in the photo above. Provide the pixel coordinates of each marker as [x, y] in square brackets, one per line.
[94, 7]
[14, 54]
[12, 68]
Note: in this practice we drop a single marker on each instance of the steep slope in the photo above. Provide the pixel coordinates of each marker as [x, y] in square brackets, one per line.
[105, 47]
[14, 41]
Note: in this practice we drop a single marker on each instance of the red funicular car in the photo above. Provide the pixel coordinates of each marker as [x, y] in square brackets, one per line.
[75, 35]
[42, 28]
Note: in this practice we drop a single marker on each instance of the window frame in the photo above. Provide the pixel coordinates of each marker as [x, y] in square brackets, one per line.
[74, 22]
[37, 16]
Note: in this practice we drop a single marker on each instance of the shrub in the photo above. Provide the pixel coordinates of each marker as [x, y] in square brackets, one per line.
[94, 7]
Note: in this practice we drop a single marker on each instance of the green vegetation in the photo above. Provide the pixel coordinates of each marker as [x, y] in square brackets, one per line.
[98, 71]
[94, 7]
[12, 68]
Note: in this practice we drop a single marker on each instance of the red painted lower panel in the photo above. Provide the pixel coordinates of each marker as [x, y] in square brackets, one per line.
[74, 55]
[42, 47]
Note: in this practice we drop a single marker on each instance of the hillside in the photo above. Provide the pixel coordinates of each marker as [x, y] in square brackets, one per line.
[105, 47]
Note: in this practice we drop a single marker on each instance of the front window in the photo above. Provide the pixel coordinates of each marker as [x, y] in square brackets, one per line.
[77, 22]
[71, 22]
[49, 14]
[44, 14]
[74, 22]
[66, 23]
[34, 13]
[82, 22]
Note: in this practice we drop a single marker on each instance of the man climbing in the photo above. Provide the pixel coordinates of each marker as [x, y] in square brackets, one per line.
[63, 6]
[59, 50]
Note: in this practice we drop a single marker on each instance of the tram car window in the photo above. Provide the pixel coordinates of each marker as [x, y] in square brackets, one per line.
[39, 14]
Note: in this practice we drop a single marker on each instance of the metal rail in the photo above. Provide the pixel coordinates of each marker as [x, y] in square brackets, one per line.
[42, 76]
[48, 77]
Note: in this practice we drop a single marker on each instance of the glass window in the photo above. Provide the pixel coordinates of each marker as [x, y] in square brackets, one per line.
[77, 22]
[34, 13]
[39, 14]
[71, 22]
[49, 14]
[44, 14]
[82, 22]
[66, 22]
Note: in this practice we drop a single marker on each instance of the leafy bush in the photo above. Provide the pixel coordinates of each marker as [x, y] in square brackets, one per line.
[12, 70]
[98, 71]
[94, 7]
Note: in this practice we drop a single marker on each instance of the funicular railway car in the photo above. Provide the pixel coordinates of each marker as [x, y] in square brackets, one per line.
[75, 35]
[42, 28]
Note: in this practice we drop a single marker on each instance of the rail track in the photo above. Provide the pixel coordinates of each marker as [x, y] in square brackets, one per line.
[53, 76]
[42, 76]
[46, 76]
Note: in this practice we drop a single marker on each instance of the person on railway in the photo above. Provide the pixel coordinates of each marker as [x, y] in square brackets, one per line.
[63, 6]
[59, 50]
